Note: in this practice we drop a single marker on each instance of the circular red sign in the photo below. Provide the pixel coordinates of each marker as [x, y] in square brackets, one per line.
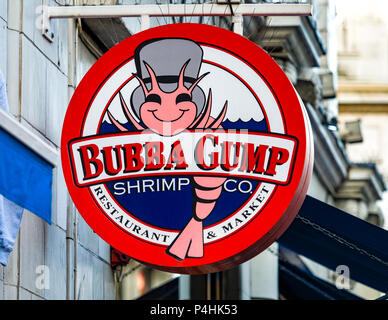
[187, 148]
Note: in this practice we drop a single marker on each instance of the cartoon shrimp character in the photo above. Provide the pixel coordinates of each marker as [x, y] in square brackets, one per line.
[168, 114]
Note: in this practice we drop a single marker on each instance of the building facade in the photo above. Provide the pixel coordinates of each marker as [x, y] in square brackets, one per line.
[363, 79]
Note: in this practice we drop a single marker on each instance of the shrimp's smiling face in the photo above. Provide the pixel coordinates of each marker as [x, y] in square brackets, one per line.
[168, 113]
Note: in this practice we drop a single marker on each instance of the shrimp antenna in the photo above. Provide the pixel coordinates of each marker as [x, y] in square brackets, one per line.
[197, 81]
[128, 114]
[204, 116]
[141, 83]
[154, 81]
[116, 123]
[216, 123]
[181, 74]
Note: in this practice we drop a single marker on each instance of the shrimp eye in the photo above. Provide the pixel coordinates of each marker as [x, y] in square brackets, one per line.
[183, 97]
[153, 98]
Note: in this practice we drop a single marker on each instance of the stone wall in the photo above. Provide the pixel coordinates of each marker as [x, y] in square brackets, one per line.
[37, 80]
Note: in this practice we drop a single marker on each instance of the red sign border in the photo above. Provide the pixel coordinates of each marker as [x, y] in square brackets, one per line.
[259, 233]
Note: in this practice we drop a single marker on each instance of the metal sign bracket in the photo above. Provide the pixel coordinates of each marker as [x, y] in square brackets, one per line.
[236, 10]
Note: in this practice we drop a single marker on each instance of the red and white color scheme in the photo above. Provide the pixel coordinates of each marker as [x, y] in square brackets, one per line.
[187, 148]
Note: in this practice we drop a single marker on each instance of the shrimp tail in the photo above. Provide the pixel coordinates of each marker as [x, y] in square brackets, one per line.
[189, 243]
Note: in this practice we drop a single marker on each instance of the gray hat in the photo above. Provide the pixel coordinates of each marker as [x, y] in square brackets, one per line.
[166, 58]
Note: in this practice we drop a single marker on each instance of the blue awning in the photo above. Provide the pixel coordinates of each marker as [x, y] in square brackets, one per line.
[296, 281]
[25, 178]
[297, 284]
[333, 237]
